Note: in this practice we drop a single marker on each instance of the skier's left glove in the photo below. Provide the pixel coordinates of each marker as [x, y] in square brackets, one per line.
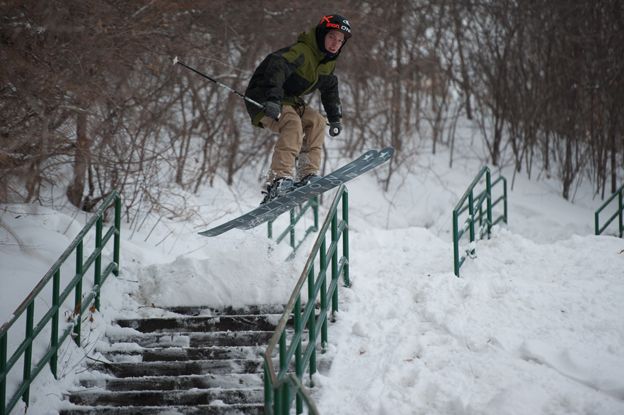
[335, 127]
[273, 110]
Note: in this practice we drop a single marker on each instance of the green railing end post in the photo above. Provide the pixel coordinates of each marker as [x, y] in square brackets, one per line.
[505, 199]
[455, 243]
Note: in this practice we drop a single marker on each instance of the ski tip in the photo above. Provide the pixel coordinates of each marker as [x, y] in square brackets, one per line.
[175, 60]
[386, 152]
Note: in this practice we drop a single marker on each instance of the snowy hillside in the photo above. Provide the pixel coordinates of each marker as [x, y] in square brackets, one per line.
[534, 326]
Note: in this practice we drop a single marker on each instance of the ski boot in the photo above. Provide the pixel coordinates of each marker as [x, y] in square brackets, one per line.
[307, 179]
[277, 188]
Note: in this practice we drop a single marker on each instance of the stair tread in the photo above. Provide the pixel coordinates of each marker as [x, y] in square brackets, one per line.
[96, 397]
[195, 339]
[188, 367]
[246, 310]
[216, 409]
[264, 322]
[175, 382]
[155, 354]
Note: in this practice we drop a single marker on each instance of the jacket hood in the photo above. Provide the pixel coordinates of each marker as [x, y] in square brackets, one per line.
[309, 38]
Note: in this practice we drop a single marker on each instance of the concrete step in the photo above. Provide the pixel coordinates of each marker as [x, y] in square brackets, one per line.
[189, 339]
[167, 398]
[164, 354]
[216, 409]
[175, 368]
[227, 381]
[263, 322]
[227, 311]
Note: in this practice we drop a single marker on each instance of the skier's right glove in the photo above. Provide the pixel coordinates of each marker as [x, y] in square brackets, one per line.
[273, 110]
[335, 128]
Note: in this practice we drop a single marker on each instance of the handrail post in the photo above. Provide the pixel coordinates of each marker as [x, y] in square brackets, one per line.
[56, 288]
[30, 316]
[323, 269]
[345, 236]
[78, 294]
[315, 214]
[117, 237]
[292, 228]
[311, 320]
[97, 268]
[471, 220]
[621, 208]
[488, 185]
[334, 263]
[505, 199]
[3, 363]
[283, 366]
[455, 243]
[298, 357]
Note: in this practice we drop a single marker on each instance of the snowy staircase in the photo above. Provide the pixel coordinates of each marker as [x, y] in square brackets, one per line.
[201, 361]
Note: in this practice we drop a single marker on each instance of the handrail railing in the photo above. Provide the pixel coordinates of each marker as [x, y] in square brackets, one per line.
[279, 384]
[81, 304]
[619, 213]
[476, 215]
[296, 214]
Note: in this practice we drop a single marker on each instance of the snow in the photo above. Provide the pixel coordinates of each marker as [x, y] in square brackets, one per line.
[533, 326]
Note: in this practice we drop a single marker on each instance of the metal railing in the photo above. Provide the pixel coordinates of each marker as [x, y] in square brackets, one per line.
[51, 317]
[282, 387]
[296, 214]
[619, 213]
[477, 215]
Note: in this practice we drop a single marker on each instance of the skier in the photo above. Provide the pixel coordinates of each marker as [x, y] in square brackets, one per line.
[279, 83]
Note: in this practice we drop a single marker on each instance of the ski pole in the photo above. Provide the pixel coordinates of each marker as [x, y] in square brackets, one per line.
[256, 103]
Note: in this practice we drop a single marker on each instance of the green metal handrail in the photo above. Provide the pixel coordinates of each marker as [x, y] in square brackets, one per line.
[280, 384]
[619, 213]
[473, 203]
[25, 349]
[296, 214]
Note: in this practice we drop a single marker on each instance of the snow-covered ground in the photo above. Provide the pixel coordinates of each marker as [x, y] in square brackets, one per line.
[534, 326]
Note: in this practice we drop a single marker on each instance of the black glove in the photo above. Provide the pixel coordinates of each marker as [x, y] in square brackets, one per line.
[335, 127]
[272, 109]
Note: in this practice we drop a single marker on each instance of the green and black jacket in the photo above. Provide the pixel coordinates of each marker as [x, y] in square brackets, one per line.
[289, 73]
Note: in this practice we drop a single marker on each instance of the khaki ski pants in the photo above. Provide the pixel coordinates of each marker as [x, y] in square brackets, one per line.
[301, 138]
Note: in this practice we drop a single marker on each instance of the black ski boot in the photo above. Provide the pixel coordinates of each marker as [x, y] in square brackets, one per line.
[307, 179]
[279, 187]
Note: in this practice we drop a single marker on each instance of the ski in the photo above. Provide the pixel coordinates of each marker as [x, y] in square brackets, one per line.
[273, 208]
